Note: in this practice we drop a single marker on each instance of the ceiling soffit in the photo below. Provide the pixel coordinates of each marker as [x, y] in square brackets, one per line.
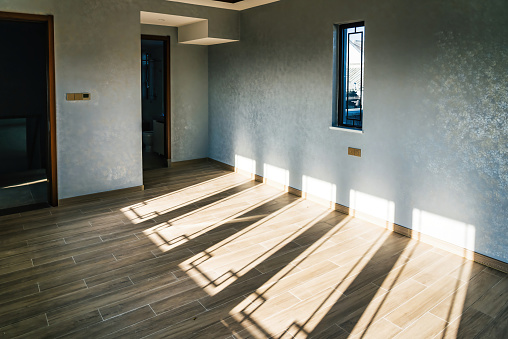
[228, 4]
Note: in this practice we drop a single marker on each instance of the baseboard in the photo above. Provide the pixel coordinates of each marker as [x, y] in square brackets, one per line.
[396, 228]
[100, 195]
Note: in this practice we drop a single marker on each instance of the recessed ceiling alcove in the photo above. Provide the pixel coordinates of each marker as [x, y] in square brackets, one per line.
[237, 5]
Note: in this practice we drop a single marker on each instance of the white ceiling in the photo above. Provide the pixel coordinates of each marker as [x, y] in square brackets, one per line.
[239, 6]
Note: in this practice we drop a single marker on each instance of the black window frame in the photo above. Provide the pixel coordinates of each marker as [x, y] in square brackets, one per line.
[341, 81]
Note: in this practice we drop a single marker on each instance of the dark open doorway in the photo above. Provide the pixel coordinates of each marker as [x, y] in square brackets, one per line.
[155, 96]
[27, 113]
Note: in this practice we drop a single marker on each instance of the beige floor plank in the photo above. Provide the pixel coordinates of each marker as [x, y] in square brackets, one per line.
[354, 275]
[379, 251]
[382, 328]
[424, 301]
[332, 332]
[411, 267]
[439, 268]
[312, 314]
[378, 308]
[416, 249]
[425, 327]
[454, 305]
[494, 301]
[470, 323]
[321, 253]
[243, 286]
[291, 277]
[283, 258]
[259, 306]
[470, 270]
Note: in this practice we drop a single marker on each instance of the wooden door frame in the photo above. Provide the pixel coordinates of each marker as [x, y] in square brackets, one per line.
[167, 84]
[52, 159]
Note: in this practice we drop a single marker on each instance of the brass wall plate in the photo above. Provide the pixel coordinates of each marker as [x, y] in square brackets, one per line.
[78, 96]
[356, 152]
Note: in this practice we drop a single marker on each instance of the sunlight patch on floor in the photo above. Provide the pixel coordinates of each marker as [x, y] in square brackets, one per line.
[160, 205]
[264, 312]
[252, 247]
[177, 231]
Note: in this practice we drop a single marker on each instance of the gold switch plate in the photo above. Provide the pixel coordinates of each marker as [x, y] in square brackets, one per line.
[78, 96]
[356, 152]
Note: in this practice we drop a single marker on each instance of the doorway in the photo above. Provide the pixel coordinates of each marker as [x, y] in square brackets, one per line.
[156, 104]
[27, 115]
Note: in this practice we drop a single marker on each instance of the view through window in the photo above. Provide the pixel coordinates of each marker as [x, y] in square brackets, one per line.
[351, 41]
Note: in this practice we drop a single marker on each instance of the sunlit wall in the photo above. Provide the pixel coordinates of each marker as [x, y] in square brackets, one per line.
[434, 154]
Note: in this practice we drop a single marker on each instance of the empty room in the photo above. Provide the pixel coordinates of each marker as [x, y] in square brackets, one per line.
[253, 169]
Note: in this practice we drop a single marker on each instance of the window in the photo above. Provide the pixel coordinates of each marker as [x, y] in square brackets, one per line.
[349, 52]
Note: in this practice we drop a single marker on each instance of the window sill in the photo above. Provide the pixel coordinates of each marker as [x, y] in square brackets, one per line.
[345, 129]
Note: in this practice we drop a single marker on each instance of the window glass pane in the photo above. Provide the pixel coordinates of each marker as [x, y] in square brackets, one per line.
[352, 52]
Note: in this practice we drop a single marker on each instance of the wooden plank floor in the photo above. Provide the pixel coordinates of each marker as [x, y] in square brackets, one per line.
[206, 253]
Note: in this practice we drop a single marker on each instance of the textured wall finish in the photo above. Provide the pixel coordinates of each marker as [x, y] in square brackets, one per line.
[97, 47]
[98, 141]
[434, 147]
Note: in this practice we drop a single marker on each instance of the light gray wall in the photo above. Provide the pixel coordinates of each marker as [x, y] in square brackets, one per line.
[435, 143]
[97, 47]
[189, 96]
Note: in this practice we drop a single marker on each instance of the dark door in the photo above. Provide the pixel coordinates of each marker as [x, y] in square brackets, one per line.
[155, 99]
[25, 162]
